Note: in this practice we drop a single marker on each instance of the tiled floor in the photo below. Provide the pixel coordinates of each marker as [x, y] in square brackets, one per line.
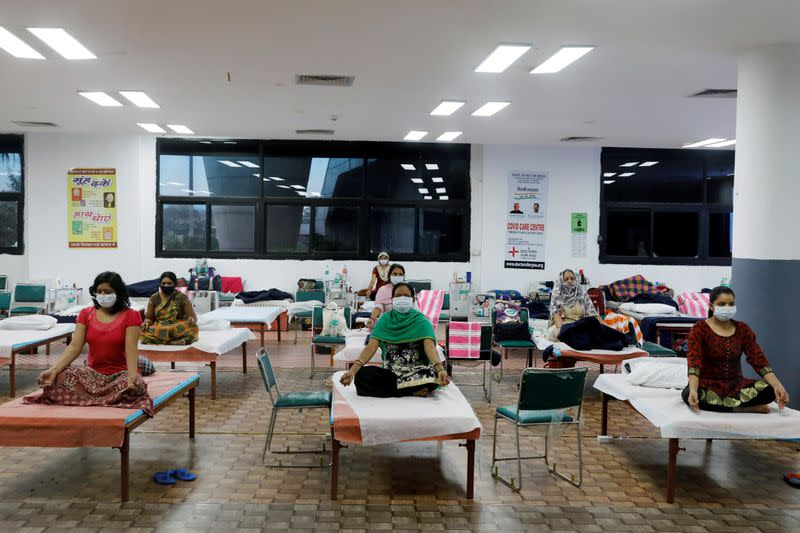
[725, 486]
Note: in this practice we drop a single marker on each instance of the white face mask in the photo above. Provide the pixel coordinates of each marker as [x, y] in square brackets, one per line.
[106, 300]
[397, 279]
[725, 313]
[383, 262]
[402, 304]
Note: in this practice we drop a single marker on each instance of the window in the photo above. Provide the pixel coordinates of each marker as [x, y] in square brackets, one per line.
[666, 206]
[12, 194]
[312, 200]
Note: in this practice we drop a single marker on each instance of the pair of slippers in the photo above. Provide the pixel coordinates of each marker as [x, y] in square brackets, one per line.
[170, 477]
[793, 480]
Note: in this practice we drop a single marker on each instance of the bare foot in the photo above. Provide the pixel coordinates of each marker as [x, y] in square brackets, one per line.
[763, 409]
[422, 393]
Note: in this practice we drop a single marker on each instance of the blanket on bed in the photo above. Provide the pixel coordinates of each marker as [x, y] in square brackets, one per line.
[249, 297]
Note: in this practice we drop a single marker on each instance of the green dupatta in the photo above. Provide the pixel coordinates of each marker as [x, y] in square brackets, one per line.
[395, 327]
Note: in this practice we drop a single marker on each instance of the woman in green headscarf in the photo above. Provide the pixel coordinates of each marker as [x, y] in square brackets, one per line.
[407, 341]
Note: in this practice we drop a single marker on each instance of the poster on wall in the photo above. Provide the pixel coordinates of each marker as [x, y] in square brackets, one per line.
[92, 197]
[579, 233]
[525, 222]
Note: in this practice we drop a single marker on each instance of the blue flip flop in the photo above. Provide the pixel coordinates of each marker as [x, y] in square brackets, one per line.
[182, 474]
[164, 478]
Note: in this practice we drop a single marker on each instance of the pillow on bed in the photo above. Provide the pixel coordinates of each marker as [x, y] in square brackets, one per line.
[664, 373]
[31, 322]
[649, 309]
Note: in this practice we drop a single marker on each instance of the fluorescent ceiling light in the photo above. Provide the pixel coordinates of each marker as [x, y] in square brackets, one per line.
[414, 135]
[609, 182]
[152, 128]
[428, 197]
[609, 174]
[256, 174]
[63, 43]
[698, 144]
[284, 187]
[448, 136]
[248, 164]
[180, 128]
[100, 98]
[490, 108]
[265, 179]
[721, 144]
[423, 191]
[431, 166]
[627, 174]
[139, 99]
[299, 187]
[417, 180]
[205, 142]
[437, 180]
[441, 190]
[649, 163]
[564, 57]
[631, 164]
[447, 108]
[229, 163]
[502, 57]
[229, 142]
[301, 193]
[16, 46]
[274, 178]
[444, 198]
[408, 166]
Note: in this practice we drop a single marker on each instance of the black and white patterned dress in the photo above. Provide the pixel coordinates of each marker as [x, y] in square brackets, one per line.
[410, 364]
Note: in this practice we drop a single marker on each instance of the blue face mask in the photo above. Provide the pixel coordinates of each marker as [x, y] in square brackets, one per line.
[402, 304]
[166, 290]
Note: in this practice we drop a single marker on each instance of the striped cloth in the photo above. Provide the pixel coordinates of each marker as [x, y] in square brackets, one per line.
[694, 304]
[464, 340]
[622, 323]
[430, 304]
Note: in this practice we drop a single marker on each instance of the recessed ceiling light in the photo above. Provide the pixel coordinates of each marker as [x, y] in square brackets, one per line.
[437, 180]
[490, 108]
[609, 174]
[562, 58]
[721, 144]
[248, 164]
[631, 164]
[414, 135]
[699, 144]
[16, 46]
[417, 180]
[63, 43]
[423, 191]
[284, 187]
[609, 182]
[627, 174]
[444, 198]
[299, 187]
[100, 98]
[649, 163]
[180, 128]
[431, 166]
[152, 128]
[502, 57]
[447, 108]
[139, 99]
[441, 190]
[448, 136]
[428, 197]
[229, 163]
[408, 166]
[275, 178]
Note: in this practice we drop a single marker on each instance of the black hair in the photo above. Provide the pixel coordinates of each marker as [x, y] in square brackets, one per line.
[716, 292]
[170, 275]
[115, 280]
[404, 284]
[567, 270]
[397, 265]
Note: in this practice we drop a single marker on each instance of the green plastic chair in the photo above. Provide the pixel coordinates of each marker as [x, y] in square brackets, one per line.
[327, 341]
[5, 303]
[507, 346]
[3, 282]
[444, 315]
[306, 296]
[35, 296]
[484, 359]
[544, 395]
[291, 400]
[419, 285]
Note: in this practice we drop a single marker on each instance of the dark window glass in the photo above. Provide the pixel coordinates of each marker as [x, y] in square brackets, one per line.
[720, 234]
[628, 233]
[9, 218]
[210, 176]
[335, 229]
[391, 228]
[312, 177]
[184, 227]
[668, 181]
[440, 231]
[233, 228]
[675, 234]
[10, 172]
[288, 228]
[402, 179]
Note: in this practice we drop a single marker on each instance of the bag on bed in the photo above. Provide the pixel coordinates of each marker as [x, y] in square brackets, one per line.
[306, 284]
[507, 311]
[333, 321]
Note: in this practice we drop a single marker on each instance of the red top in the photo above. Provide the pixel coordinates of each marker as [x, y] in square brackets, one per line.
[717, 360]
[107, 341]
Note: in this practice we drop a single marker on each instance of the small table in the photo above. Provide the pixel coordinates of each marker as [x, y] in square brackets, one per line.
[677, 330]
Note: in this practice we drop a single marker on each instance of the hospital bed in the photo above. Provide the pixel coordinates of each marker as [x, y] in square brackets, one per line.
[210, 345]
[14, 342]
[70, 314]
[61, 426]
[445, 415]
[665, 409]
[258, 318]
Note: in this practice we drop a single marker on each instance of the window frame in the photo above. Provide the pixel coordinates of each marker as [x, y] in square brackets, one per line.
[15, 143]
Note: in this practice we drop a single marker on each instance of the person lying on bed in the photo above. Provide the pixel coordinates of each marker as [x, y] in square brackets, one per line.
[715, 363]
[111, 328]
[383, 298]
[411, 365]
[568, 303]
[170, 318]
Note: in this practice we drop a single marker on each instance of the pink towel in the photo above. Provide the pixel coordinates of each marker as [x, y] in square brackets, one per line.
[464, 340]
[694, 304]
[430, 303]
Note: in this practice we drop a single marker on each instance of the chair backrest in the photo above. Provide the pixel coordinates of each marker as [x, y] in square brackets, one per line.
[307, 296]
[5, 301]
[420, 284]
[319, 285]
[486, 344]
[267, 373]
[551, 388]
[30, 293]
[3, 282]
[446, 302]
[316, 317]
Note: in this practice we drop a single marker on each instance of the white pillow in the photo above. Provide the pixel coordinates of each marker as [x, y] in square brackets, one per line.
[660, 372]
[30, 322]
[213, 325]
[649, 309]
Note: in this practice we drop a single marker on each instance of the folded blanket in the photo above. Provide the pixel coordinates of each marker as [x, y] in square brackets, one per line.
[260, 296]
[29, 322]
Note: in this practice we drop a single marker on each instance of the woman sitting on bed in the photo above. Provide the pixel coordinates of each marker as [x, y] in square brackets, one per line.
[170, 318]
[110, 378]
[568, 303]
[715, 367]
[411, 363]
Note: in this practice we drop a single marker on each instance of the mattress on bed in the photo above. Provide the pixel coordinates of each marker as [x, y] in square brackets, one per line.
[218, 342]
[11, 340]
[283, 304]
[264, 315]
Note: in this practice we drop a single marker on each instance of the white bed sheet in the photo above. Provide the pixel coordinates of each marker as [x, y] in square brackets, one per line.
[388, 420]
[255, 315]
[13, 340]
[665, 409]
[218, 342]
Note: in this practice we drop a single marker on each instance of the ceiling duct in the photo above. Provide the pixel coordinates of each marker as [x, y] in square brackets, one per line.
[325, 80]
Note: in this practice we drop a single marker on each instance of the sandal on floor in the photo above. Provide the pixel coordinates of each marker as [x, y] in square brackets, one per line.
[328, 382]
[164, 478]
[793, 480]
[182, 474]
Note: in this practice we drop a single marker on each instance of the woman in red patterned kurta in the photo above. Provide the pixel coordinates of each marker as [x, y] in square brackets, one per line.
[715, 363]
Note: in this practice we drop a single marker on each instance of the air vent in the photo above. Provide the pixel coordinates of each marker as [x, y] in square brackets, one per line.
[314, 132]
[32, 124]
[580, 139]
[716, 93]
[327, 80]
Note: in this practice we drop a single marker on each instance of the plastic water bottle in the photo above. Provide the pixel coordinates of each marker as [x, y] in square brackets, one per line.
[327, 272]
[724, 282]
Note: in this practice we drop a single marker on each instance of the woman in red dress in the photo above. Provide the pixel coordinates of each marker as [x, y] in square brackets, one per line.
[715, 363]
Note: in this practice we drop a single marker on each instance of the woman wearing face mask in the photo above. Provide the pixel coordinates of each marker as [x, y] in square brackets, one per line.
[411, 365]
[170, 318]
[568, 303]
[380, 275]
[715, 363]
[110, 378]
[383, 299]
